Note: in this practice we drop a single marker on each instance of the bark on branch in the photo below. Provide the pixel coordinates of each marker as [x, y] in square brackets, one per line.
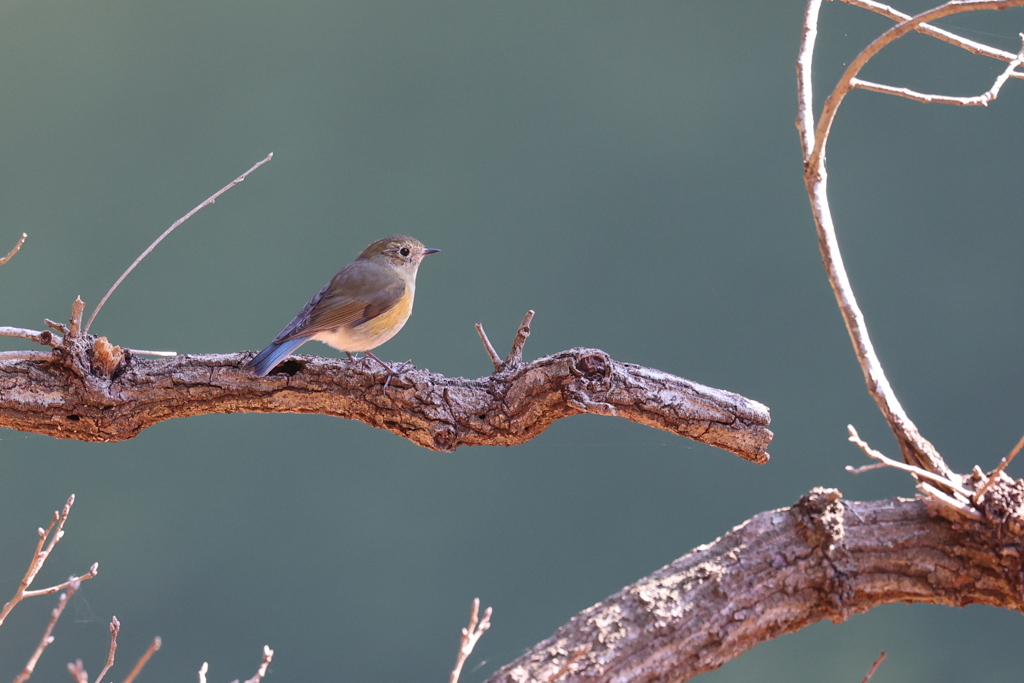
[823, 558]
[91, 390]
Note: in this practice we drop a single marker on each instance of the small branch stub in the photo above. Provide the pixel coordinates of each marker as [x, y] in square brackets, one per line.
[515, 356]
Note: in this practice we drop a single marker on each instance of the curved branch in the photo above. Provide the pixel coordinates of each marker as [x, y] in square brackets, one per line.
[916, 449]
[93, 391]
[776, 573]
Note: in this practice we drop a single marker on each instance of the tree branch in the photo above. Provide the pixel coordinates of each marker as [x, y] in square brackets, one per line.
[935, 32]
[823, 558]
[91, 391]
[916, 449]
[14, 251]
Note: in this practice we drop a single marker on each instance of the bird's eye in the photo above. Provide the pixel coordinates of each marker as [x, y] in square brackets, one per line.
[404, 251]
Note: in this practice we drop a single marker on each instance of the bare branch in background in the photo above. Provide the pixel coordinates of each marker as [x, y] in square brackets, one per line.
[153, 647]
[48, 538]
[470, 635]
[115, 628]
[874, 668]
[62, 602]
[916, 450]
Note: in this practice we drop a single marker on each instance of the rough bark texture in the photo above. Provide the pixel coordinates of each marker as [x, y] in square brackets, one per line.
[823, 558]
[93, 391]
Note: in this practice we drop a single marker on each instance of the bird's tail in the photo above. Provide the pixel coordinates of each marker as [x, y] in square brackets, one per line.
[268, 358]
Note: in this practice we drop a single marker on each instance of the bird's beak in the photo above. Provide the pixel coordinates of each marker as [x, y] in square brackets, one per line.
[430, 251]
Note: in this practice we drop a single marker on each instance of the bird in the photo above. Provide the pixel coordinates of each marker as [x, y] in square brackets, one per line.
[362, 307]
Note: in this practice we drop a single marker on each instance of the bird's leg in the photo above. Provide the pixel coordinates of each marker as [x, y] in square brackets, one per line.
[391, 373]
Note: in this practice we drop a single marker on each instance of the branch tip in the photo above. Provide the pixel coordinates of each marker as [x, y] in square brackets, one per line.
[17, 247]
[874, 667]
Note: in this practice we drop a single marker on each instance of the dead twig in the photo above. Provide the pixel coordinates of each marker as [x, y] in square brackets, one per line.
[17, 247]
[168, 231]
[75, 324]
[153, 647]
[62, 602]
[470, 635]
[874, 667]
[491, 353]
[46, 338]
[999, 468]
[515, 356]
[917, 472]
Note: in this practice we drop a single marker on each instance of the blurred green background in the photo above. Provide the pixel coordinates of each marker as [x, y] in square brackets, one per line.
[629, 170]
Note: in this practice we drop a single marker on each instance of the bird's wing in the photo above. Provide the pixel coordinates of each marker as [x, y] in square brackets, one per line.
[355, 295]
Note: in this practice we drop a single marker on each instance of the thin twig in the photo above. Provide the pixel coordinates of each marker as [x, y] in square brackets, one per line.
[115, 628]
[167, 232]
[934, 31]
[25, 355]
[46, 338]
[14, 251]
[470, 636]
[865, 468]
[999, 468]
[62, 602]
[495, 358]
[981, 100]
[91, 574]
[515, 356]
[268, 655]
[153, 647]
[874, 667]
[916, 471]
[40, 555]
[959, 506]
[55, 326]
[162, 354]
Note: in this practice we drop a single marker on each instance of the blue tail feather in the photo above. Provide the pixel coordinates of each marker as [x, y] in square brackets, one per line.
[267, 359]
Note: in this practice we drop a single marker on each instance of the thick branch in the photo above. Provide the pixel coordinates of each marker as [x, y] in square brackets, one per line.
[76, 396]
[776, 573]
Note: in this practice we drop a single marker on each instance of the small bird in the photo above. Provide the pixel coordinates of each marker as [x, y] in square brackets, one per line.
[362, 306]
